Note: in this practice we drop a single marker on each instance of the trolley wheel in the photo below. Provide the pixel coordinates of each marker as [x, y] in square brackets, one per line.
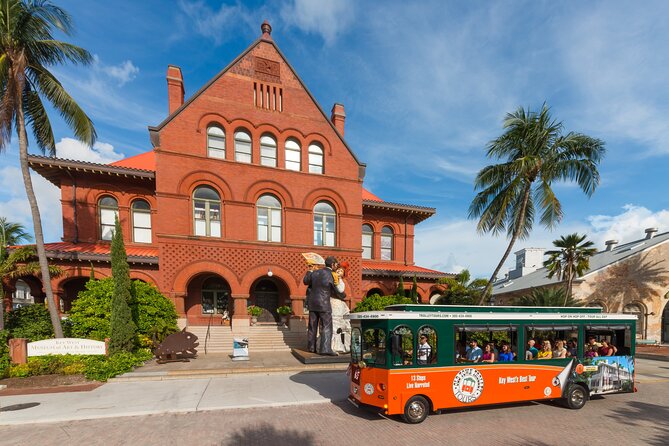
[576, 396]
[416, 410]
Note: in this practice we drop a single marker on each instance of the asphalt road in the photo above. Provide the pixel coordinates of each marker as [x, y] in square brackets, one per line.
[625, 419]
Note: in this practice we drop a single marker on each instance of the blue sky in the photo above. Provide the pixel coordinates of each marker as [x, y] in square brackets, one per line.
[425, 85]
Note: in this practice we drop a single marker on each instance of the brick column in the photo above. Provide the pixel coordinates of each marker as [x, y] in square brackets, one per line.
[18, 350]
[240, 319]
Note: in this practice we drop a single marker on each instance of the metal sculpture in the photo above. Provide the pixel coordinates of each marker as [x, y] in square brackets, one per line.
[179, 346]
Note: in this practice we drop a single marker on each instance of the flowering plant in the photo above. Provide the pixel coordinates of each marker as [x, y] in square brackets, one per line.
[254, 310]
[284, 310]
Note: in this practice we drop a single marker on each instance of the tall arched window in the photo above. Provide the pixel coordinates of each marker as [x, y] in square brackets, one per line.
[141, 221]
[269, 218]
[315, 158]
[242, 146]
[367, 241]
[206, 212]
[293, 155]
[215, 142]
[325, 218]
[386, 243]
[268, 150]
[108, 209]
[638, 310]
[22, 296]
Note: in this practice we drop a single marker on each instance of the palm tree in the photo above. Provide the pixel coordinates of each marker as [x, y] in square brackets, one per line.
[27, 50]
[19, 263]
[571, 260]
[10, 234]
[461, 289]
[546, 297]
[534, 154]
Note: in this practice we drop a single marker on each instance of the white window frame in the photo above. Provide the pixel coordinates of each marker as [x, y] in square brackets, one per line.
[212, 226]
[327, 238]
[387, 252]
[368, 249]
[215, 137]
[272, 231]
[105, 212]
[292, 147]
[268, 150]
[316, 158]
[243, 146]
[141, 232]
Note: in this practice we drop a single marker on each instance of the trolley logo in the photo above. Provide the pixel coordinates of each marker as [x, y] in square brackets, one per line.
[468, 385]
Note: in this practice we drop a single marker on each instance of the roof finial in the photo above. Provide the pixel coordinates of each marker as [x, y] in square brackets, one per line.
[266, 29]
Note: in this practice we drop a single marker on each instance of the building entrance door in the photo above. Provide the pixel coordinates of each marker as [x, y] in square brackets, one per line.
[266, 296]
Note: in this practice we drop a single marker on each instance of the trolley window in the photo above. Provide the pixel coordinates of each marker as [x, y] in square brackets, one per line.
[374, 346]
[402, 346]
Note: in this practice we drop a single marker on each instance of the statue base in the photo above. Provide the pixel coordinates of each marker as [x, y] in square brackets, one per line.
[306, 357]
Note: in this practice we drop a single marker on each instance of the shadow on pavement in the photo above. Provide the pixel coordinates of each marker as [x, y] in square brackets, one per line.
[633, 412]
[266, 434]
[330, 385]
[15, 407]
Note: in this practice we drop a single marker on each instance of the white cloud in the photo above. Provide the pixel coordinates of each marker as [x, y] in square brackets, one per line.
[124, 72]
[214, 24]
[452, 244]
[329, 19]
[73, 149]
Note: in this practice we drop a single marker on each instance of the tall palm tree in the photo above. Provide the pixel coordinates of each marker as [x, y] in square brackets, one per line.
[19, 263]
[461, 289]
[534, 153]
[27, 50]
[571, 260]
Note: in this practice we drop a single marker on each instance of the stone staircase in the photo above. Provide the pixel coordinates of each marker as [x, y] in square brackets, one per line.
[262, 337]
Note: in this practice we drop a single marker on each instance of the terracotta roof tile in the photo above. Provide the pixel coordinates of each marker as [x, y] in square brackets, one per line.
[143, 161]
[371, 268]
[100, 249]
[367, 195]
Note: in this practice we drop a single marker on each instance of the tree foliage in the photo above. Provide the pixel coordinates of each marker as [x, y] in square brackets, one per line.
[571, 260]
[123, 328]
[414, 290]
[534, 153]
[31, 322]
[400, 287]
[461, 290]
[547, 297]
[376, 302]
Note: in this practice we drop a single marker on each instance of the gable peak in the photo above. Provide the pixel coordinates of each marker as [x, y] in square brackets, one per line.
[266, 29]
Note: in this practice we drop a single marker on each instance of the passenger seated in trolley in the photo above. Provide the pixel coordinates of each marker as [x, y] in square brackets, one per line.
[546, 352]
[506, 355]
[532, 351]
[489, 353]
[474, 352]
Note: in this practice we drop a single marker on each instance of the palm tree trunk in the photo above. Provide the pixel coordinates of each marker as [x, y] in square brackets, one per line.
[2, 306]
[570, 280]
[521, 216]
[37, 220]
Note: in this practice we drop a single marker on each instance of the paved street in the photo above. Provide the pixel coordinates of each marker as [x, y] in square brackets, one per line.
[629, 419]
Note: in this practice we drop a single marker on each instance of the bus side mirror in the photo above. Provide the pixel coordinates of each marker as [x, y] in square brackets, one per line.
[396, 344]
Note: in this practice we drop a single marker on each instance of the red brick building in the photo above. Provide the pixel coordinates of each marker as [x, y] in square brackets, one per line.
[243, 177]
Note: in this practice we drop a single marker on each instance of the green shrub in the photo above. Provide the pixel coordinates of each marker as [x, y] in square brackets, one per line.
[32, 322]
[378, 303]
[101, 368]
[152, 312]
[4, 353]
[19, 371]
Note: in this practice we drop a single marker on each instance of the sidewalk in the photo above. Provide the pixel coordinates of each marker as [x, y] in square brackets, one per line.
[654, 352]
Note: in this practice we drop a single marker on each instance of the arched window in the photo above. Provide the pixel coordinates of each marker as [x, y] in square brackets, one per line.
[293, 155]
[426, 349]
[325, 219]
[269, 218]
[215, 142]
[386, 243]
[21, 296]
[638, 310]
[242, 146]
[206, 212]
[315, 158]
[215, 296]
[268, 150]
[141, 221]
[367, 241]
[108, 209]
[401, 344]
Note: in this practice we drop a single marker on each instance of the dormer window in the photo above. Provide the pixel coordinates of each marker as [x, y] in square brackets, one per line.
[243, 146]
[215, 142]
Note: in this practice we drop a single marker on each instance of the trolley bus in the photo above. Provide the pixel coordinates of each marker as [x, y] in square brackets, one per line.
[393, 371]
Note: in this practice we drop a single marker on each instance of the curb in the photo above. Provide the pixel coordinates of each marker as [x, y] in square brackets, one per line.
[652, 357]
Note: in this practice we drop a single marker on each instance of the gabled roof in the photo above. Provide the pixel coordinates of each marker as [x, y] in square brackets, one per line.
[52, 168]
[143, 161]
[98, 252]
[266, 39]
[372, 268]
[599, 261]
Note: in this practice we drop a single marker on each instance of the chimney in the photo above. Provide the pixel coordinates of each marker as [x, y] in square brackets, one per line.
[650, 233]
[175, 88]
[610, 244]
[338, 117]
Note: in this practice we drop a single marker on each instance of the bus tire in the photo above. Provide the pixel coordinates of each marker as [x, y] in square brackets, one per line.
[416, 410]
[576, 397]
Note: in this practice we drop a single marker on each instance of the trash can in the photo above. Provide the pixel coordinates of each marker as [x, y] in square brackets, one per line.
[240, 349]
